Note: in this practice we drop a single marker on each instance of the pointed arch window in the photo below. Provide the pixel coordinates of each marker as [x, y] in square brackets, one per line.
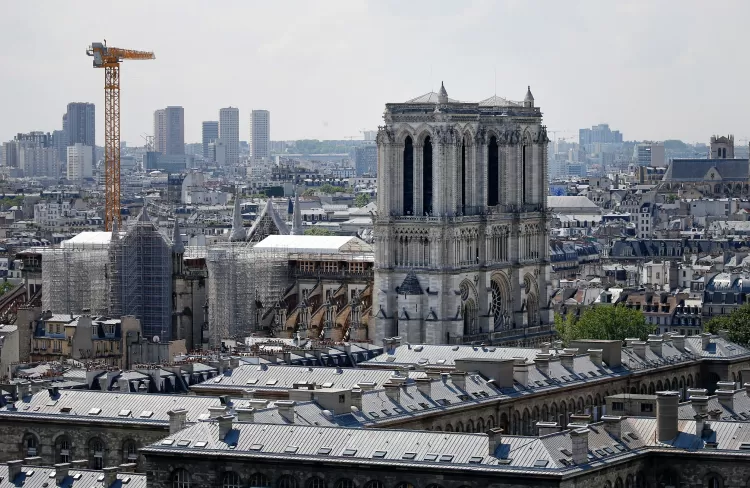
[427, 175]
[463, 177]
[408, 177]
[493, 172]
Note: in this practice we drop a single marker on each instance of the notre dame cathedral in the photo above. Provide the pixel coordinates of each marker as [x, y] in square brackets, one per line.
[461, 226]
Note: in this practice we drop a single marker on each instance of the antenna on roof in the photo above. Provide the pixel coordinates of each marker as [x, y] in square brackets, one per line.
[495, 80]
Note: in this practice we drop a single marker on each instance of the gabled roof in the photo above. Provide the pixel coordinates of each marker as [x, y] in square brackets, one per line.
[315, 244]
[691, 170]
[429, 97]
[410, 285]
[495, 101]
[268, 212]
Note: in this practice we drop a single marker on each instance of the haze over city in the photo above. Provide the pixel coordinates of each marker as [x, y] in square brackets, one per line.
[656, 70]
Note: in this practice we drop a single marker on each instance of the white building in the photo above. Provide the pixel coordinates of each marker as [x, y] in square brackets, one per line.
[160, 131]
[36, 161]
[80, 162]
[229, 133]
[260, 134]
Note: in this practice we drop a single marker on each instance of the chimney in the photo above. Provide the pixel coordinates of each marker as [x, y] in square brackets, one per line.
[580, 441]
[357, 397]
[595, 355]
[542, 363]
[566, 360]
[234, 362]
[705, 340]
[369, 385]
[630, 340]
[393, 392]
[459, 379]
[679, 342]
[247, 394]
[544, 347]
[225, 425]
[521, 371]
[14, 469]
[245, 414]
[33, 461]
[725, 385]
[258, 403]
[699, 403]
[80, 463]
[110, 476]
[396, 341]
[123, 385]
[128, 467]
[582, 419]
[53, 392]
[714, 414]
[217, 411]
[557, 345]
[432, 373]
[177, 420]
[495, 439]
[697, 392]
[726, 398]
[747, 389]
[286, 409]
[424, 385]
[655, 345]
[613, 426]
[61, 472]
[723, 333]
[547, 428]
[700, 424]
[667, 403]
[639, 348]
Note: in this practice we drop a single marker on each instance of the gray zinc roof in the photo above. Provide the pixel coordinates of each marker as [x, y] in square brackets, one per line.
[43, 476]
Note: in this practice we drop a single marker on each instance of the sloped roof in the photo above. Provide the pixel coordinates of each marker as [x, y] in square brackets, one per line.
[410, 285]
[269, 211]
[570, 202]
[696, 169]
[495, 101]
[429, 97]
[315, 244]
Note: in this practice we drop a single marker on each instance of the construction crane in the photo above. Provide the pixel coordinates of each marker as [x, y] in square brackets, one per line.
[109, 58]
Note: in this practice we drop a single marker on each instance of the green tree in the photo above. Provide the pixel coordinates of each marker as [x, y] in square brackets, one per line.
[5, 287]
[329, 189]
[318, 231]
[308, 193]
[604, 322]
[736, 323]
[671, 198]
[361, 199]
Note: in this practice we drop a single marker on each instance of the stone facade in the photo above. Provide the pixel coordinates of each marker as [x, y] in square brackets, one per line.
[461, 227]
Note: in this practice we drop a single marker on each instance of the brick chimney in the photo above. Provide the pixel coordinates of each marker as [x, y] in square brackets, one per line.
[613, 426]
[245, 414]
[225, 425]
[667, 404]
[424, 385]
[580, 440]
[61, 472]
[110, 476]
[286, 409]
[495, 440]
[177, 420]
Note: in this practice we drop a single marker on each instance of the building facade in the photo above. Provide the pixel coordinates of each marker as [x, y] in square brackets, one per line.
[209, 133]
[461, 228]
[229, 133]
[366, 160]
[80, 162]
[175, 129]
[80, 124]
[260, 134]
[160, 131]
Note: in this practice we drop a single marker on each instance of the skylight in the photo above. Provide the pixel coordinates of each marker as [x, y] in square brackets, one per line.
[446, 458]
[183, 442]
[124, 413]
[252, 381]
[349, 452]
[541, 463]
[475, 460]
[409, 455]
[256, 447]
[379, 454]
[430, 457]
[201, 444]
[147, 414]
[272, 382]
[324, 451]
[167, 442]
[291, 449]
[95, 411]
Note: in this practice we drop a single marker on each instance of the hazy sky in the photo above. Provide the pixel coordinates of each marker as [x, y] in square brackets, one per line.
[653, 69]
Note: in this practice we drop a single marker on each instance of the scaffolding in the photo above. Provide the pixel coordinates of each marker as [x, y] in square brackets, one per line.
[74, 278]
[243, 284]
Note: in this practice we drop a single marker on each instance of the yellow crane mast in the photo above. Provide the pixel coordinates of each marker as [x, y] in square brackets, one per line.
[109, 58]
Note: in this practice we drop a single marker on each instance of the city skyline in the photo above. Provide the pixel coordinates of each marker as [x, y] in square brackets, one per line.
[648, 77]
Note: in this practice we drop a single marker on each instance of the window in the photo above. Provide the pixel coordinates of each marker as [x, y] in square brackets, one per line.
[230, 479]
[96, 454]
[259, 479]
[307, 266]
[618, 406]
[315, 482]
[64, 451]
[129, 452]
[356, 268]
[647, 407]
[286, 481]
[345, 483]
[374, 484]
[408, 177]
[330, 266]
[30, 444]
[181, 479]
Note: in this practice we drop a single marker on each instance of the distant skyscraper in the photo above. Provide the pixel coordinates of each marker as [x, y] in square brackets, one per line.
[599, 134]
[229, 133]
[79, 123]
[36, 160]
[60, 143]
[160, 131]
[175, 124]
[260, 134]
[80, 162]
[366, 159]
[210, 134]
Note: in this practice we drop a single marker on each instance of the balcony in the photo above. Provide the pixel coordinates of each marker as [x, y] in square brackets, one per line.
[332, 275]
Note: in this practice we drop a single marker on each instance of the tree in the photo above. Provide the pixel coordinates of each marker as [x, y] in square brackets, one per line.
[736, 323]
[308, 193]
[329, 189]
[671, 198]
[604, 322]
[5, 287]
[361, 199]
[318, 231]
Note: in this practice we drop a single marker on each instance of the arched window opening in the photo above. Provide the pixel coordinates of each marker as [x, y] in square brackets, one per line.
[523, 173]
[427, 175]
[408, 177]
[30, 445]
[259, 479]
[374, 484]
[96, 454]
[64, 452]
[315, 482]
[470, 318]
[463, 178]
[129, 452]
[181, 479]
[345, 483]
[286, 481]
[493, 173]
[404, 484]
[230, 479]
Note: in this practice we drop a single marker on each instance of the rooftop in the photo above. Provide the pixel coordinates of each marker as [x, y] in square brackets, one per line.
[43, 476]
[314, 244]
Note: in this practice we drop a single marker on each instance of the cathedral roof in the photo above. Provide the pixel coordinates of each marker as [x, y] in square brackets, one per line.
[430, 97]
[411, 285]
[269, 211]
[495, 101]
[693, 170]
[238, 230]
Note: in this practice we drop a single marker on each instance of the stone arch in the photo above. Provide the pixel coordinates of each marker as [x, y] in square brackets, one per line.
[470, 309]
[129, 451]
[480, 425]
[427, 173]
[581, 405]
[64, 450]
[644, 389]
[525, 430]
[469, 425]
[629, 481]
[29, 445]
[96, 452]
[503, 422]
[515, 423]
[438, 428]
[534, 418]
[618, 482]
[448, 427]
[500, 300]
[651, 388]
[402, 134]
[712, 479]
[545, 413]
[674, 384]
[408, 176]
[459, 426]
[659, 386]
[553, 412]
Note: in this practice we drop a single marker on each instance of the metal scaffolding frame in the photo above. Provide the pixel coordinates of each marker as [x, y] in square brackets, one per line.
[75, 278]
[243, 283]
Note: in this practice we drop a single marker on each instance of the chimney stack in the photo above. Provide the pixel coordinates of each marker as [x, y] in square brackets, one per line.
[225, 425]
[521, 371]
[546, 428]
[123, 385]
[357, 398]
[177, 420]
[667, 403]
[544, 347]
[128, 467]
[286, 409]
[655, 345]
[700, 424]
[424, 385]
[747, 389]
[580, 441]
[699, 403]
[613, 426]
[542, 363]
[566, 360]
[110, 476]
[495, 440]
[696, 392]
[725, 385]
[370, 385]
[217, 411]
[726, 398]
[61, 472]
[14, 469]
[459, 379]
[393, 392]
[595, 355]
[639, 348]
[705, 340]
[245, 414]
[679, 342]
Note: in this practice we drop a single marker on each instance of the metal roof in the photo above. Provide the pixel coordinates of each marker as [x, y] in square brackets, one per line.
[44, 476]
[314, 244]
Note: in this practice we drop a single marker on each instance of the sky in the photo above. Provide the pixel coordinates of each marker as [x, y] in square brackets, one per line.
[667, 69]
